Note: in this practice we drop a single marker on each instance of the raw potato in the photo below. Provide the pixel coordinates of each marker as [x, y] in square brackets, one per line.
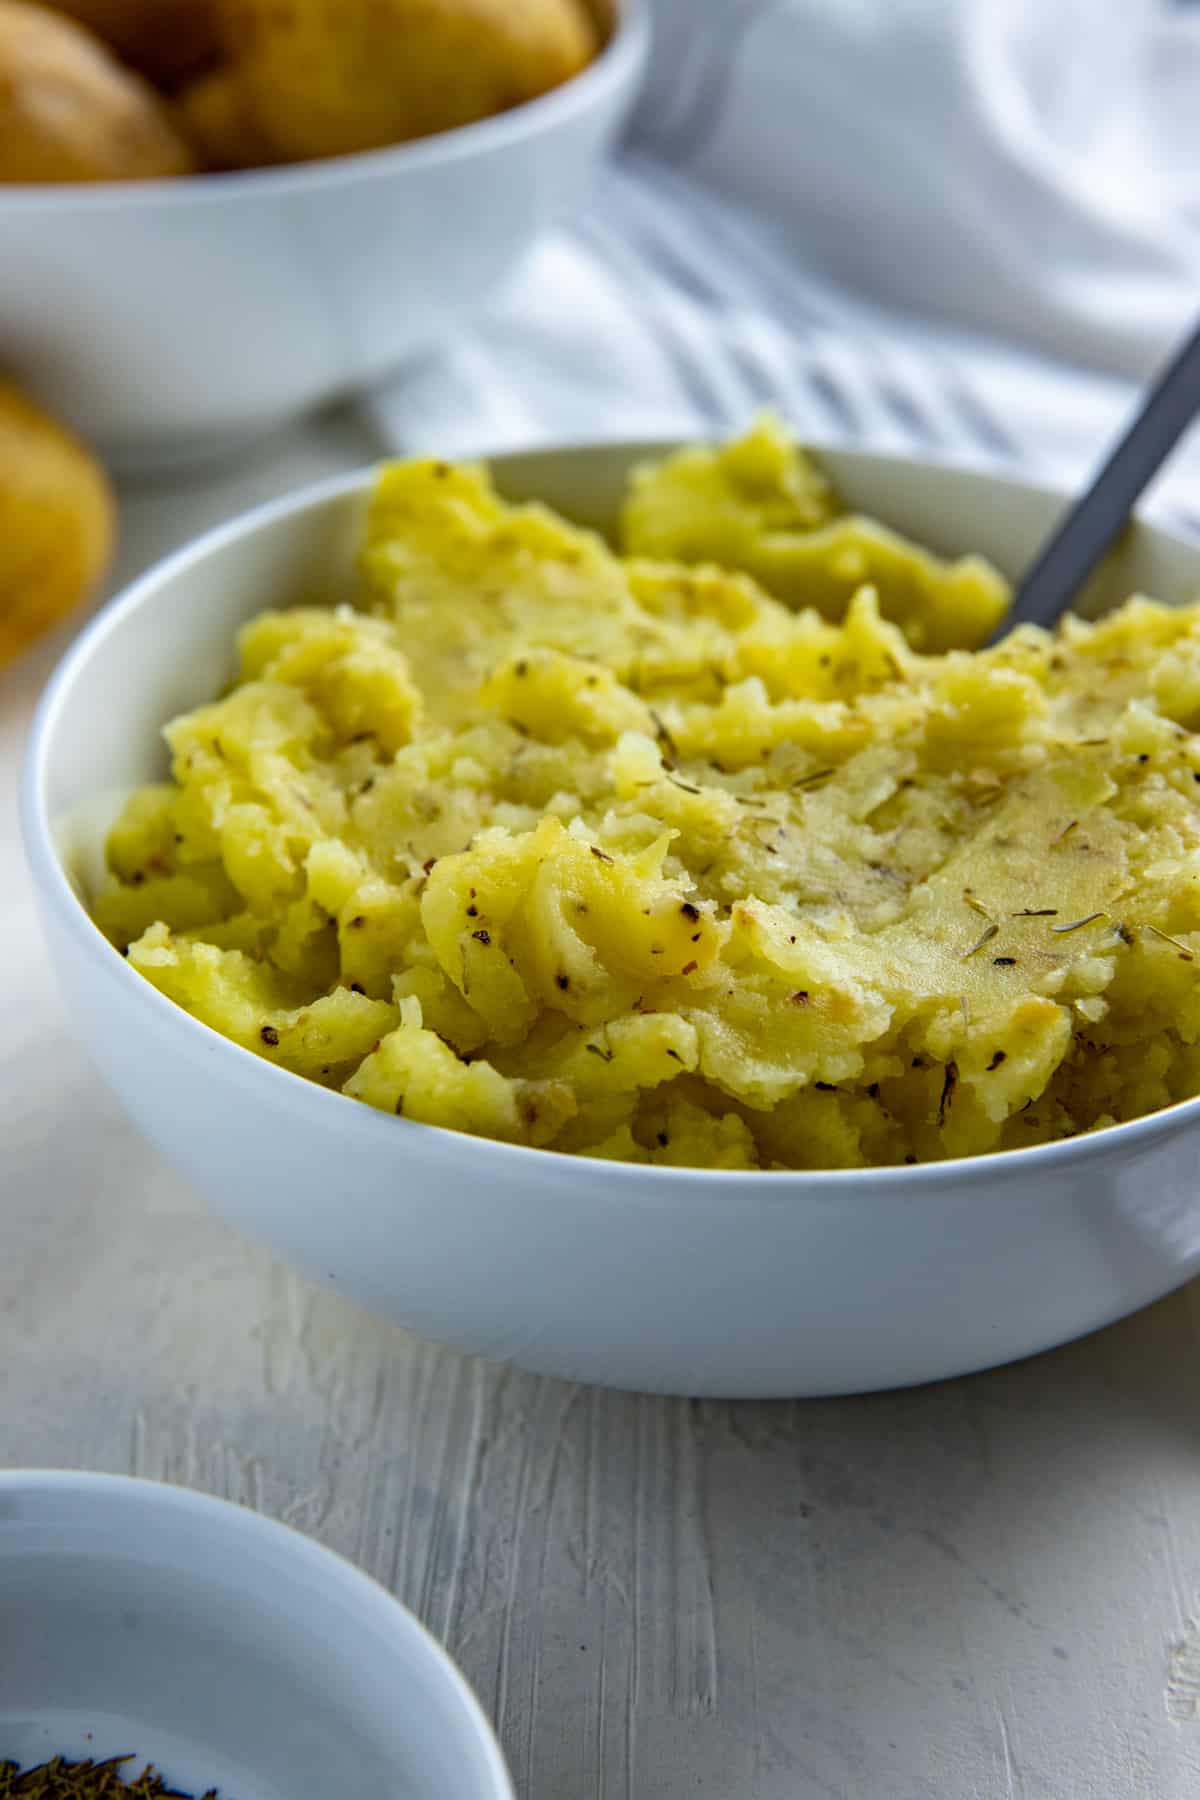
[70, 112]
[327, 77]
[214, 118]
[167, 40]
[56, 521]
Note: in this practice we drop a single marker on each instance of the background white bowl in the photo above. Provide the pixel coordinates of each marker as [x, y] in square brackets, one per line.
[226, 1649]
[169, 321]
[697, 1282]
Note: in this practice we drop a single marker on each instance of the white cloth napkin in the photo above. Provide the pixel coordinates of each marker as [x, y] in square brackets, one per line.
[966, 227]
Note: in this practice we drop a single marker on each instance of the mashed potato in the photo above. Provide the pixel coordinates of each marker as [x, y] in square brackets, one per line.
[722, 851]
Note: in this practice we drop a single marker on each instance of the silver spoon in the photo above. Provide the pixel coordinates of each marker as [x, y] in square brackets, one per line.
[1080, 539]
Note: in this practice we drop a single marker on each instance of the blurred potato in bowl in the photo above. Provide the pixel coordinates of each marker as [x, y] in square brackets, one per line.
[313, 78]
[56, 521]
[174, 322]
[216, 121]
[69, 111]
[167, 40]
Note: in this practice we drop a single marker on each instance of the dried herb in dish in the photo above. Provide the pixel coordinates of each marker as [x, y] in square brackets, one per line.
[62, 1780]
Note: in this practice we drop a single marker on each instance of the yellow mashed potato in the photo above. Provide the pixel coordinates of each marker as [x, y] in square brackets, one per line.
[723, 850]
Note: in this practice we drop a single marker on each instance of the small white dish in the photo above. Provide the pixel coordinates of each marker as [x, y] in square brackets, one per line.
[690, 1281]
[226, 1649]
[172, 321]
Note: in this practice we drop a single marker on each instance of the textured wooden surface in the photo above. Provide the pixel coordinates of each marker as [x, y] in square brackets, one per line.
[982, 1591]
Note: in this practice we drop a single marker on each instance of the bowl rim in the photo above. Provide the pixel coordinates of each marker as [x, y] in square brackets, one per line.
[53, 886]
[618, 63]
[366, 1595]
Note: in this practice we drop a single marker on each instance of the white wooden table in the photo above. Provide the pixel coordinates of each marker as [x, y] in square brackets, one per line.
[988, 1589]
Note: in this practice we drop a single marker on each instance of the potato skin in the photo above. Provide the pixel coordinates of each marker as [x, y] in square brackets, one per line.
[168, 41]
[213, 116]
[330, 77]
[70, 112]
[57, 521]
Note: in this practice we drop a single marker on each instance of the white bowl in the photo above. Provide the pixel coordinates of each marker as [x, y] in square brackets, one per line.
[222, 1647]
[697, 1282]
[170, 321]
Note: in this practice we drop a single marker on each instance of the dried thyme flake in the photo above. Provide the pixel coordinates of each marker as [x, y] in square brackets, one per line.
[88, 1780]
[949, 1083]
[989, 932]
[1065, 833]
[814, 776]
[1077, 924]
[1035, 912]
[663, 735]
[684, 787]
[974, 904]
[1183, 950]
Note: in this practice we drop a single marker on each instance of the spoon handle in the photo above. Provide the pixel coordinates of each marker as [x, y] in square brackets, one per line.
[1080, 539]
